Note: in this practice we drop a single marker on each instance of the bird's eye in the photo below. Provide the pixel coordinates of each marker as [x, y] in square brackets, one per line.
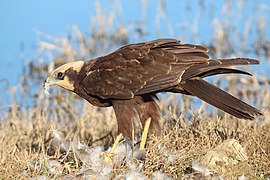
[60, 75]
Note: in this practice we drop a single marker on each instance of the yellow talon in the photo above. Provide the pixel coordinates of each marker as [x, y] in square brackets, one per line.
[108, 157]
[144, 134]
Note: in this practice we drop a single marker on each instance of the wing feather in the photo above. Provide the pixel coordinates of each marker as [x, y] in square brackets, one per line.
[142, 68]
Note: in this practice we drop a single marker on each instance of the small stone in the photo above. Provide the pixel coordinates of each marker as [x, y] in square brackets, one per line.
[227, 154]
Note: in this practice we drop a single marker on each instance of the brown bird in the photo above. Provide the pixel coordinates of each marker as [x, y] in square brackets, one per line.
[129, 79]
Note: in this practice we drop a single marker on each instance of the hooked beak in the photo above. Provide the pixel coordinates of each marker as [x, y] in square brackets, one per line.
[47, 83]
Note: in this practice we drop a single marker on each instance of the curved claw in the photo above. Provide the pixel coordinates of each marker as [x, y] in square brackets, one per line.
[108, 156]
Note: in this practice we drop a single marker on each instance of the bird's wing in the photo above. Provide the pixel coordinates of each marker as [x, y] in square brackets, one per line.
[142, 68]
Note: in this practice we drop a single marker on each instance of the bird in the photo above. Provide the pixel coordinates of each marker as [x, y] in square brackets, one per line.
[129, 79]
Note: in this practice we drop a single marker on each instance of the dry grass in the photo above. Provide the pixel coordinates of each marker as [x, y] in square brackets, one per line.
[190, 129]
[28, 142]
[188, 143]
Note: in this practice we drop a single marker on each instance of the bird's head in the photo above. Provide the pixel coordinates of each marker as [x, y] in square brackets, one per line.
[64, 76]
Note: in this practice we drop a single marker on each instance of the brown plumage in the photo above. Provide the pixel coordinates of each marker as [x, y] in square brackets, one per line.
[129, 78]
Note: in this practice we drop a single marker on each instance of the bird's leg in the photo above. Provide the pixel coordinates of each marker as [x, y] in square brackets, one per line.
[108, 157]
[133, 139]
[144, 134]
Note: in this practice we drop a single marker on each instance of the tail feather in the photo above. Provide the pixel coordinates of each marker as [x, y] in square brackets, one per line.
[222, 71]
[220, 99]
[197, 70]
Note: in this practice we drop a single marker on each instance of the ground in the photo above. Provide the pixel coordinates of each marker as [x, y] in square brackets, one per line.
[58, 142]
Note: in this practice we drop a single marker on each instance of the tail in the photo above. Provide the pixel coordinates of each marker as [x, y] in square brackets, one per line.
[220, 99]
[217, 66]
